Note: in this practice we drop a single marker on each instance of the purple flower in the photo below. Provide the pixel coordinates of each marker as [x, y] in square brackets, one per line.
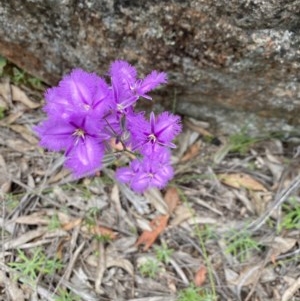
[126, 174]
[127, 88]
[84, 113]
[153, 171]
[117, 125]
[81, 139]
[79, 92]
[159, 132]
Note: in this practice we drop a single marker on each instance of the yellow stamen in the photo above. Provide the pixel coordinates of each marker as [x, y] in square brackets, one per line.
[79, 133]
[152, 137]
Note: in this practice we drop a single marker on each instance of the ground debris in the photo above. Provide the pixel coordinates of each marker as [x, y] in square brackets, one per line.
[227, 225]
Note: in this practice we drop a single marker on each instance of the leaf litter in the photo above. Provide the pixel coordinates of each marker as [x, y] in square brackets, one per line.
[222, 216]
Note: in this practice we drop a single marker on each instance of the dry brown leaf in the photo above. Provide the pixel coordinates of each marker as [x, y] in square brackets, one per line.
[281, 245]
[115, 198]
[59, 176]
[143, 223]
[11, 118]
[63, 218]
[172, 198]
[5, 92]
[24, 238]
[20, 95]
[20, 145]
[56, 233]
[3, 104]
[200, 276]
[171, 283]
[191, 152]
[202, 220]
[15, 293]
[80, 285]
[2, 162]
[182, 213]
[120, 263]
[5, 185]
[248, 275]
[242, 196]
[239, 180]
[289, 293]
[30, 181]
[5, 182]
[43, 218]
[195, 126]
[231, 276]
[100, 230]
[60, 249]
[155, 198]
[72, 224]
[92, 260]
[25, 133]
[37, 218]
[158, 225]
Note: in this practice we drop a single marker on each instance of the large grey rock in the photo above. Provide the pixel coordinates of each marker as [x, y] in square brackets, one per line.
[235, 63]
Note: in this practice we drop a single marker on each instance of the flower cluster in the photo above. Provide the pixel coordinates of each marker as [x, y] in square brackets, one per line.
[84, 113]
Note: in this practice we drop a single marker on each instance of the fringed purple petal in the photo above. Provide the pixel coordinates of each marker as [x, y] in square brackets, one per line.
[55, 135]
[151, 81]
[85, 157]
[138, 128]
[140, 182]
[124, 174]
[78, 91]
[167, 127]
[123, 71]
[79, 86]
